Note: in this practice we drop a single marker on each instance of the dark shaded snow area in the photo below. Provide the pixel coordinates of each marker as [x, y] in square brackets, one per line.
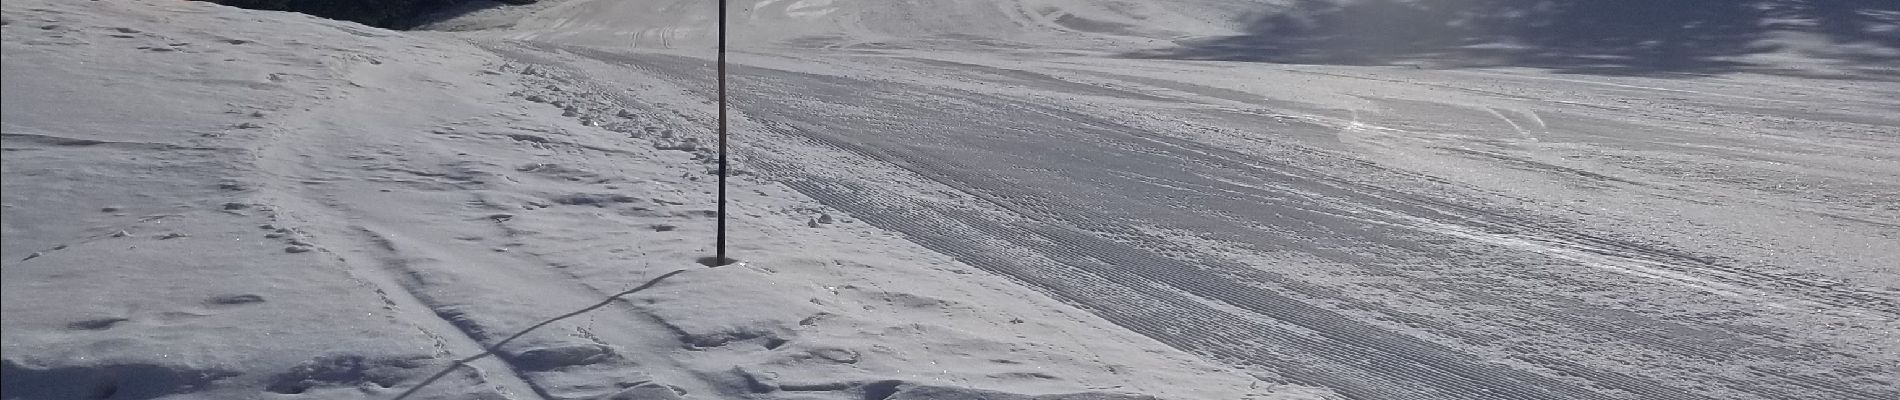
[1625, 37]
[1021, 199]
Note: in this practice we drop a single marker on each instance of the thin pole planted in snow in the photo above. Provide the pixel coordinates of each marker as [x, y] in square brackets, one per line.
[719, 254]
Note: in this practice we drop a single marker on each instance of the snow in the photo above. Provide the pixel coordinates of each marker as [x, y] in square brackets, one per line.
[1045, 199]
[320, 209]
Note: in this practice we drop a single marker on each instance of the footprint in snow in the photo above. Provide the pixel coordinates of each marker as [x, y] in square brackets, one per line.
[646, 391]
[96, 324]
[842, 356]
[235, 299]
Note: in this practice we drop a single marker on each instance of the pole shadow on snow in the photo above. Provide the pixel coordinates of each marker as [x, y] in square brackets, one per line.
[1610, 37]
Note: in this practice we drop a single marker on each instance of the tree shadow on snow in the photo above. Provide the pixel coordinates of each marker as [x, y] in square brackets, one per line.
[1615, 37]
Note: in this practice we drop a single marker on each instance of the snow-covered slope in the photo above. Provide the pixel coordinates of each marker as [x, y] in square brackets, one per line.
[1475, 199]
[1850, 37]
[144, 255]
[1209, 199]
[952, 23]
[205, 202]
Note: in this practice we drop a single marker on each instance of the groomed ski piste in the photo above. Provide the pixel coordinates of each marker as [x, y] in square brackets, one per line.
[1012, 199]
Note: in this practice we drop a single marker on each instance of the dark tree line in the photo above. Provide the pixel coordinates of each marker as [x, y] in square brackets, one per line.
[393, 14]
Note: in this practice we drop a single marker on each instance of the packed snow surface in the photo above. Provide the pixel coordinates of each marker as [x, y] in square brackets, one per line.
[1018, 199]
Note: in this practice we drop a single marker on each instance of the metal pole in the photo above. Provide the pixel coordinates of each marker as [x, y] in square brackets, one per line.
[720, 252]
